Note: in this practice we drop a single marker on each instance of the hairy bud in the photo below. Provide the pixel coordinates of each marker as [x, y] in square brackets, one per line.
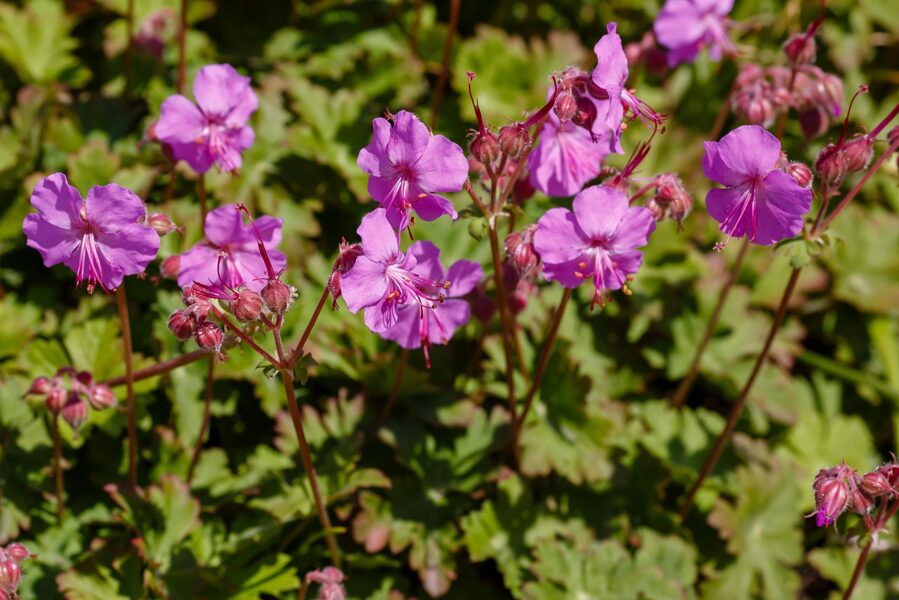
[800, 173]
[520, 251]
[10, 576]
[277, 296]
[74, 412]
[831, 498]
[182, 324]
[161, 223]
[101, 396]
[484, 147]
[41, 386]
[565, 106]
[247, 306]
[875, 484]
[858, 152]
[17, 552]
[801, 49]
[830, 167]
[170, 266]
[513, 139]
[208, 336]
[55, 400]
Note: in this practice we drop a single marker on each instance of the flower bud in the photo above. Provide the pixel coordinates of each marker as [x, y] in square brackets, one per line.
[832, 498]
[520, 250]
[208, 336]
[831, 165]
[161, 223]
[17, 552]
[74, 412]
[41, 386]
[182, 324]
[860, 503]
[484, 147]
[760, 111]
[565, 106]
[247, 306]
[814, 122]
[800, 49]
[10, 576]
[875, 484]
[801, 173]
[277, 296]
[858, 152]
[101, 396]
[55, 399]
[891, 474]
[170, 266]
[347, 254]
[513, 139]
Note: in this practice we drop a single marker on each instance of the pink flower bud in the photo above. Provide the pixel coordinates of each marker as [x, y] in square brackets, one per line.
[875, 484]
[520, 250]
[800, 49]
[832, 498]
[208, 336]
[10, 576]
[858, 152]
[182, 324]
[170, 266]
[101, 396]
[74, 412]
[277, 296]
[346, 256]
[484, 147]
[891, 474]
[17, 552]
[513, 139]
[247, 306]
[41, 386]
[331, 581]
[831, 165]
[565, 107]
[801, 173]
[860, 503]
[161, 223]
[55, 399]
[814, 122]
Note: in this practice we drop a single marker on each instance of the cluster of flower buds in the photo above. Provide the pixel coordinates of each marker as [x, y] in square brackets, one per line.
[671, 200]
[11, 558]
[520, 268]
[331, 581]
[761, 94]
[347, 254]
[647, 53]
[69, 393]
[844, 156]
[840, 489]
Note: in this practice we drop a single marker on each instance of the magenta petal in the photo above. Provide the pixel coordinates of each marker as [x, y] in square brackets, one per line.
[364, 285]
[636, 225]
[611, 63]
[408, 141]
[464, 276]
[54, 243]
[749, 150]
[372, 158]
[432, 207]
[727, 207]
[107, 274]
[598, 210]
[427, 260]
[446, 319]
[780, 206]
[58, 202]
[269, 229]
[624, 263]
[112, 207]
[198, 265]
[224, 225]
[198, 156]
[381, 316]
[219, 89]
[379, 240]
[565, 272]
[559, 238]
[131, 248]
[246, 268]
[565, 159]
[180, 121]
[443, 166]
[406, 330]
[679, 24]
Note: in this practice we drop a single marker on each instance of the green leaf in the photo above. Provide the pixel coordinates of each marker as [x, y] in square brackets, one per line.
[35, 41]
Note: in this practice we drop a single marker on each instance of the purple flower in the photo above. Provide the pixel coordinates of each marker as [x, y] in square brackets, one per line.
[684, 27]
[407, 164]
[102, 239]
[565, 159]
[231, 254]
[609, 76]
[599, 240]
[214, 130]
[759, 201]
[416, 327]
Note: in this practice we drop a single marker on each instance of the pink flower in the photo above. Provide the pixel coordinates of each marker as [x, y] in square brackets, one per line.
[215, 129]
[419, 328]
[231, 255]
[597, 241]
[759, 201]
[684, 27]
[102, 239]
[331, 580]
[407, 164]
[565, 159]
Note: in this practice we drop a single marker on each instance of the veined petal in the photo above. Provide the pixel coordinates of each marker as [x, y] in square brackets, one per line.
[559, 238]
[598, 210]
[198, 155]
[219, 89]
[780, 206]
[379, 240]
[408, 140]
[464, 276]
[112, 207]
[427, 260]
[224, 225]
[636, 225]
[54, 243]
[131, 248]
[57, 202]
[180, 121]
[565, 159]
[373, 158]
[442, 167]
[364, 285]
[431, 207]
[749, 150]
[405, 331]
[199, 264]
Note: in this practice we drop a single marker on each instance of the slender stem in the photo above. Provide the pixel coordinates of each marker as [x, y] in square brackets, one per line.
[298, 350]
[57, 468]
[244, 337]
[159, 368]
[858, 186]
[737, 408]
[504, 325]
[684, 388]
[476, 199]
[885, 516]
[207, 412]
[201, 194]
[397, 383]
[545, 353]
[122, 303]
[129, 50]
[182, 47]
[295, 416]
[444, 65]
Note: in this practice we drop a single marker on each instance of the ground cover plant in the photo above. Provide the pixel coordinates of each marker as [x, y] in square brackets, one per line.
[487, 300]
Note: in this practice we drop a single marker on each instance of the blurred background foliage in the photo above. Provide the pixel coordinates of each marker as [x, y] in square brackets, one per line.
[423, 500]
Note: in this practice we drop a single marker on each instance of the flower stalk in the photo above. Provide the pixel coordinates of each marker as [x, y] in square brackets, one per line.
[122, 304]
[57, 468]
[207, 413]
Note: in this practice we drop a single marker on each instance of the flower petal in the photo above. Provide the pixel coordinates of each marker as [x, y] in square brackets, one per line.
[444, 320]
[558, 238]
[131, 248]
[373, 158]
[408, 140]
[219, 89]
[57, 202]
[379, 240]
[199, 264]
[198, 155]
[112, 207]
[780, 206]
[442, 167]
[54, 243]
[180, 121]
[224, 225]
[427, 260]
[727, 207]
[431, 207]
[598, 210]
[611, 63]
[405, 331]
[464, 276]
[749, 150]
[565, 159]
[364, 285]
[636, 225]
[566, 272]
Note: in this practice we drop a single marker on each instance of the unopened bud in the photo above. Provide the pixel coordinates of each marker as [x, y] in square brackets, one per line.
[814, 122]
[334, 288]
[875, 484]
[858, 151]
[247, 306]
[75, 411]
[277, 296]
[565, 106]
[513, 139]
[484, 147]
[347, 254]
[171, 266]
[800, 49]
[860, 502]
[208, 336]
[801, 173]
[101, 396]
[831, 165]
[10, 576]
[55, 399]
[520, 250]
[41, 386]
[182, 324]
[832, 498]
[17, 552]
[161, 223]
[891, 474]
[760, 112]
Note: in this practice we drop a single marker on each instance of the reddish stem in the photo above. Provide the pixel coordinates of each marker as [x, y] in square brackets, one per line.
[244, 337]
[504, 325]
[301, 345]
[159, 368]
[57, 468]
[122, 303]
[863, 557]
